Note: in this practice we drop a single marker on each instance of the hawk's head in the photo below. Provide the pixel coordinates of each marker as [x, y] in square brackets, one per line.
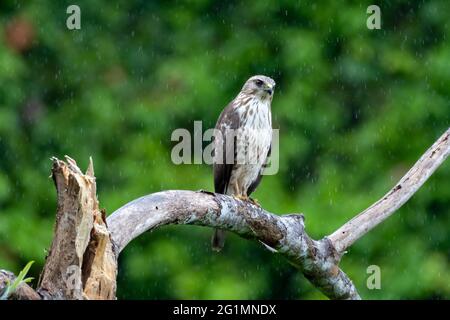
[259, 86]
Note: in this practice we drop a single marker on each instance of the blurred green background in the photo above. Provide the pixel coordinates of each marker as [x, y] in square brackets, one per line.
[355, 108]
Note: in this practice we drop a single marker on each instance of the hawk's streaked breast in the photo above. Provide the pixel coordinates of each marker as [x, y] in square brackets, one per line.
[249, 115]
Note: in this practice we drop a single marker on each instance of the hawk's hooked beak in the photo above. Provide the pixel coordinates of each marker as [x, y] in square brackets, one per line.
[269, 90]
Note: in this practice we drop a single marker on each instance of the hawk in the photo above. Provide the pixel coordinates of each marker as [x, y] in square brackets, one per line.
[243, 143]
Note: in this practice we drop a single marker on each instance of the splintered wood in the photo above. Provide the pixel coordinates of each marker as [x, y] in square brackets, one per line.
[81, 263]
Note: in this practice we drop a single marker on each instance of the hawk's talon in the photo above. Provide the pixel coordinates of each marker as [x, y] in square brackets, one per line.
[254, 202]
[241, 197]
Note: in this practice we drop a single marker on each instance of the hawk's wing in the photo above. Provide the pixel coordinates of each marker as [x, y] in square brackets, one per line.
[255, 183]
[229, 119]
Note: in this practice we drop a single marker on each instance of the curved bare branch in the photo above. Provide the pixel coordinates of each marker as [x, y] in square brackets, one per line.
[354, 229]
[285, 234]
[318, 260]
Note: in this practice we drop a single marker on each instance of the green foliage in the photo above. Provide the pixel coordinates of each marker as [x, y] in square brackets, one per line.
[355, 108]
[12, 287]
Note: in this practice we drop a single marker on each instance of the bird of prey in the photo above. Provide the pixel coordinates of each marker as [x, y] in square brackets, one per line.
[243, 144]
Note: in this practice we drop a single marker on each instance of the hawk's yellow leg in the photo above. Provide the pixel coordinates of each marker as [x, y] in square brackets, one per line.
[237, 193]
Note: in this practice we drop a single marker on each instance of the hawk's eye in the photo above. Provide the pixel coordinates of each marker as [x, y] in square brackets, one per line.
[259, 83]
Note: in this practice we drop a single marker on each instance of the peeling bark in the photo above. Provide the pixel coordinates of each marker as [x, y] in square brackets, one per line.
[81, 263]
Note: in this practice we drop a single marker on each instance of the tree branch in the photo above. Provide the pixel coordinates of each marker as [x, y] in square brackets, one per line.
[82, 261]
[318, 260]
[354, 229]
[285, 234]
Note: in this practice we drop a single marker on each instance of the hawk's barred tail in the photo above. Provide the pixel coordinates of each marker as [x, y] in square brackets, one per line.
[218, 240]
